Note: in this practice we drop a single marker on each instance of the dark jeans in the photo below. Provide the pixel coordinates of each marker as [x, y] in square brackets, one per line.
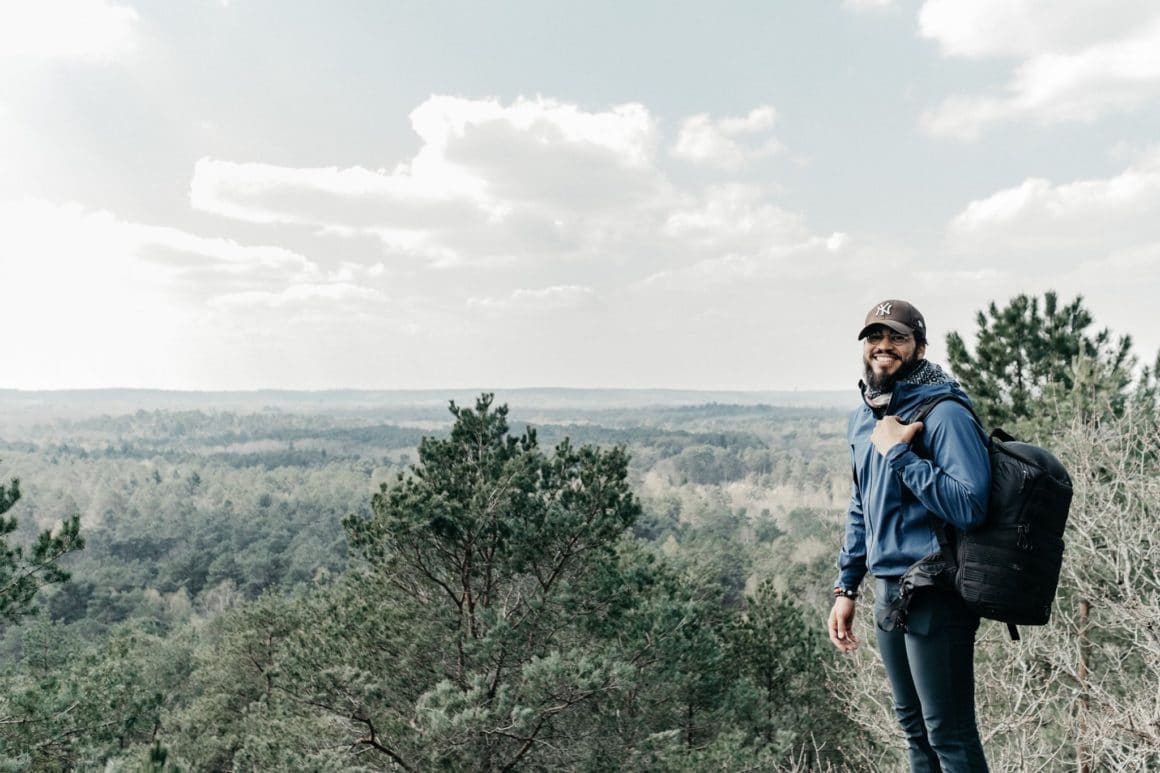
[932, 674]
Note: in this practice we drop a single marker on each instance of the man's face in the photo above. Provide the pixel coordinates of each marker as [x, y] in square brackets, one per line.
[888, 355]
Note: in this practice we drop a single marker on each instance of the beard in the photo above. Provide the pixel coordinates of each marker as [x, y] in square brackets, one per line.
[884, 382]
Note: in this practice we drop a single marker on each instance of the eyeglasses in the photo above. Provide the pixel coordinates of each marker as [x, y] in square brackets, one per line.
[896, 338]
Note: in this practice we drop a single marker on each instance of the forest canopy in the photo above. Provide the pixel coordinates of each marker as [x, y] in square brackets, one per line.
[633, 587]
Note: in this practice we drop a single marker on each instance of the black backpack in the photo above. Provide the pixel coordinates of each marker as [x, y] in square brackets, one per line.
[1007, 569]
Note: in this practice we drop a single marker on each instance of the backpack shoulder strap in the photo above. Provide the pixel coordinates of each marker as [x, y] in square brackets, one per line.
[928, 405]
[941, 529]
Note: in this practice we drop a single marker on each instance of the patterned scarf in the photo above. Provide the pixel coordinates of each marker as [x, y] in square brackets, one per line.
[925, 372]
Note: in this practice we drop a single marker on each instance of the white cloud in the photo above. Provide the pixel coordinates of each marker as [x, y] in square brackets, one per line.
[995, 281]
[1077, 60]
[223, 255]
[740, 242]
[717, 143]
[1003, 206]
[264, 193]
[1026, 28]
[530, 183]
[546, 212]
[553, 298]
[476, 155]
[1098, 238]
[97, 30]
[86, 282]
[624, 131]
[95, 301]
[298, 294]
[737, 218]
[564, 294]
[349, 271]
[490, 184]
[1069, 218]
[837, 241]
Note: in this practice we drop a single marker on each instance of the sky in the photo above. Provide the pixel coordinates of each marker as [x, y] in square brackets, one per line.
[407, 194]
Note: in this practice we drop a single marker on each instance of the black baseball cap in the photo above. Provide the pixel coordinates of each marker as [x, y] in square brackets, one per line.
[897, 315]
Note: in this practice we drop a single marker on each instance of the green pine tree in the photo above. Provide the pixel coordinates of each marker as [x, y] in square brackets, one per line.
[1029, 351]
[23, 573]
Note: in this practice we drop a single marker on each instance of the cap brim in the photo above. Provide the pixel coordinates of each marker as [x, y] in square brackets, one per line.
[898, 327]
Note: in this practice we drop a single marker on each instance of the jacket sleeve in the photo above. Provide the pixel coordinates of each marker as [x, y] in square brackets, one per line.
[852, 557]
[953, 481]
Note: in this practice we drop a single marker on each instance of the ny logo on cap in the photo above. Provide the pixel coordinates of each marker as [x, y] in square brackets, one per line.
[884, 309]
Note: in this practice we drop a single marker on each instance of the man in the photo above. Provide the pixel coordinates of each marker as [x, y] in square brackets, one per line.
[907, 478]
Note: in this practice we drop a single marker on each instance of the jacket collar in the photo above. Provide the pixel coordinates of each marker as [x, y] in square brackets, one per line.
[906, 397]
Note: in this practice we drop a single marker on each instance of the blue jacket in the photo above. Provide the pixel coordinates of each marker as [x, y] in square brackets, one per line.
[896, 497]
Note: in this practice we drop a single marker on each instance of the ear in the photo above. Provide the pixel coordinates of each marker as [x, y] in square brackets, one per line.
[920, 352]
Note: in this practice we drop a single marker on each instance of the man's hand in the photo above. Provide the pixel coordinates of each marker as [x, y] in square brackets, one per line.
[889, 432]
[842, 624]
